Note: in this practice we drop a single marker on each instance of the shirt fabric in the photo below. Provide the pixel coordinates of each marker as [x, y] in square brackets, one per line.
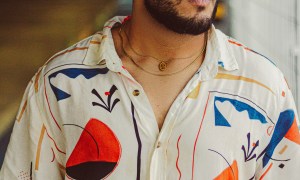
[83, 116]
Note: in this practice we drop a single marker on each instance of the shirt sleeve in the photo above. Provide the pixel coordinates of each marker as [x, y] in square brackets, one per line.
[30, 153]
[281, 157]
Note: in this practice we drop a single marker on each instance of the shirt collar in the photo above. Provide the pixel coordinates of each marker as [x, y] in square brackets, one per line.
[105, 51]
[218, 53]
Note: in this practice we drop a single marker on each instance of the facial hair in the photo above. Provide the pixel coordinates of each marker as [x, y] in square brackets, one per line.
[164, 12]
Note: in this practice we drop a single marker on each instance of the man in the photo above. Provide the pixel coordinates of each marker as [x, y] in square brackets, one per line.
[158, 95]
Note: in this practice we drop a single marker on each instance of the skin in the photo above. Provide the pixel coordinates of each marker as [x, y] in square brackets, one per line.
[164, 43]
[149, 37]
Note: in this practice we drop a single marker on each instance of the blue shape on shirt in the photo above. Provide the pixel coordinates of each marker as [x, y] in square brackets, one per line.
[253, 114]
[220, 63]
[283, 125]
[74, 73]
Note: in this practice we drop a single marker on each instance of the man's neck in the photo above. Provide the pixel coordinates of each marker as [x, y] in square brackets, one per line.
[149, 37]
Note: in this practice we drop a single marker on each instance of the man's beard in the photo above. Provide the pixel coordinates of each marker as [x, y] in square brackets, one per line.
[165, 13]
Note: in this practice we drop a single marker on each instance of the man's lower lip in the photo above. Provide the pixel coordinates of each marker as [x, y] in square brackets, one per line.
[199, 2]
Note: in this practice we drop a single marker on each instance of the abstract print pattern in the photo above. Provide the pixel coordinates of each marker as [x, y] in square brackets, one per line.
[239, 106]
[73, 73]
[285, 128]
[106, 105]
[96, 153]
[230, 173]
[98, 150]
[249, 149]
[253, 150]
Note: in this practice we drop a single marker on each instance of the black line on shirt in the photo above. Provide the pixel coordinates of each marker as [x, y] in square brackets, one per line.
[261, 154]
[225, 160]
[247, 100]
[62, 66]
[31, 171]
[264, 153]
[88, 133]
[139, 143]
[277, 159]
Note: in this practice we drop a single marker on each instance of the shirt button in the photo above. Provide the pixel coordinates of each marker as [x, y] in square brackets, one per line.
[136, 92]
[158, 145]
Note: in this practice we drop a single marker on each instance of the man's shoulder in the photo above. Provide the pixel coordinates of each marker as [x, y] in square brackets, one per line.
[75, 54]
[71, 62]
[236, 52]
[71, 55]
[251, 60]
[254, 66]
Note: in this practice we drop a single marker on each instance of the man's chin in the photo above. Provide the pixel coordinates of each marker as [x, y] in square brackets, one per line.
[193, 31]
[170, 18]
[187, 26]
[200, 3]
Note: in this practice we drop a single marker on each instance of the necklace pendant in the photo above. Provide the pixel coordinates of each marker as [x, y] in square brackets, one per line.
[162, 66]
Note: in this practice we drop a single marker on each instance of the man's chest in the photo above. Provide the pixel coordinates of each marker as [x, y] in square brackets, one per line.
[161, 97]
[161, 92]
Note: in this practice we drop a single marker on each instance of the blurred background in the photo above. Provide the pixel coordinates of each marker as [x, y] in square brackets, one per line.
[32, 31]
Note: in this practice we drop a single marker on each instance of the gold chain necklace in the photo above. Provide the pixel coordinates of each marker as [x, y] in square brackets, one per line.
[162, 66]
[156, 74]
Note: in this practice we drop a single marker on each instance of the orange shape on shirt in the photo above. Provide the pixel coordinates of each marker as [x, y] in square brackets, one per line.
[96, 153]
[293, 133]
[230, 173]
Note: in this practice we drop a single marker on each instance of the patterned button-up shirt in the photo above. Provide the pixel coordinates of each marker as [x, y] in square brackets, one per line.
[83, 116]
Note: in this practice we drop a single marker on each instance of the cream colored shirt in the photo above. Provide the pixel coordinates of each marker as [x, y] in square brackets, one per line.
[83, 116]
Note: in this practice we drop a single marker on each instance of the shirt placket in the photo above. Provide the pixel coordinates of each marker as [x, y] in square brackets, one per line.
[159, 158]
[148, 121]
